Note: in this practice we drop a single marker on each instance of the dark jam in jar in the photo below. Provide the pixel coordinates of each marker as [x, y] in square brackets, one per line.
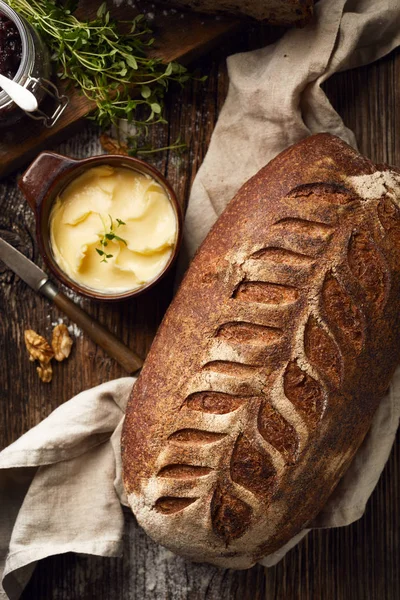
[10, 47]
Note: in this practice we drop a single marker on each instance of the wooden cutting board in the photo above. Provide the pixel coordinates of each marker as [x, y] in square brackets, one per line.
[180, 36]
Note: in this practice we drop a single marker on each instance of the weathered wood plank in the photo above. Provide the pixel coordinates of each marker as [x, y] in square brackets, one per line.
[355, 563]
[180, 36]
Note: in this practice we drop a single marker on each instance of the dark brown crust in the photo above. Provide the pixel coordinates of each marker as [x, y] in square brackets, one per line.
[294, 386]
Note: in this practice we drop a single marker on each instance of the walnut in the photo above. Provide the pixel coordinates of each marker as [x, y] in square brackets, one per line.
[38, 348]
[113, 146]
[61, 342]
[45, 372]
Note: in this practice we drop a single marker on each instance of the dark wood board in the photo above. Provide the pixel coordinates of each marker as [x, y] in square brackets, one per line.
[360, 562]
[180, 36]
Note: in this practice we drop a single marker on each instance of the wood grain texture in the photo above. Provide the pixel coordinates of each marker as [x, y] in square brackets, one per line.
[180, 36]
[360, 562]
[128, 359]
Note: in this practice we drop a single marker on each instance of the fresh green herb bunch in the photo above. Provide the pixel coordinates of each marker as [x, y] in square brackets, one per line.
[109, 234]
[104, 63]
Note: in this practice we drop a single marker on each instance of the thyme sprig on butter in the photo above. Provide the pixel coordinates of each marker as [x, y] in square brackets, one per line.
[108, 236]
[103, 63]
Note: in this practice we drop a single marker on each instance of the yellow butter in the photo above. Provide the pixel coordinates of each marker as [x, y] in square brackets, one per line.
[83, 213]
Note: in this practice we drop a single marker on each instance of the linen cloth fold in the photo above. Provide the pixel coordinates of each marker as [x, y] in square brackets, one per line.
[60, 483]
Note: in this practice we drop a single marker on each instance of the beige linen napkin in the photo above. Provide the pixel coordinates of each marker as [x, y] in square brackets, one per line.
[60, 484]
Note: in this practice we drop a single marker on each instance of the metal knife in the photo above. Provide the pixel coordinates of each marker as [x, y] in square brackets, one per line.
[39, 281]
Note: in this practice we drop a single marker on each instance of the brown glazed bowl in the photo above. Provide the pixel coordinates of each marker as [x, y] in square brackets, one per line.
[50, 174]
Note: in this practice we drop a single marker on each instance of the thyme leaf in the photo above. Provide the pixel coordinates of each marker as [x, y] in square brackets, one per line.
[109, 234]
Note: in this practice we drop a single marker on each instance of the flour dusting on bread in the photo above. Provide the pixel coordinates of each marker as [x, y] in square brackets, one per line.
[371, 187]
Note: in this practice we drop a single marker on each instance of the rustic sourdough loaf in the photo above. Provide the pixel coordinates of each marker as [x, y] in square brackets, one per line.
[277, 12]
[270, 363]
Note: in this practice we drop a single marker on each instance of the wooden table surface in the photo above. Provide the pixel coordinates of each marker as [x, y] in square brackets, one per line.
[360, 562]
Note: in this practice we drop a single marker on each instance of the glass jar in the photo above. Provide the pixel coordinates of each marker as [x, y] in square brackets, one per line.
[33, 73]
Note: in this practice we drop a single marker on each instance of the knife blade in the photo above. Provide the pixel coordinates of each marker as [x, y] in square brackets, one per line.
[40, 282]
[22, 266]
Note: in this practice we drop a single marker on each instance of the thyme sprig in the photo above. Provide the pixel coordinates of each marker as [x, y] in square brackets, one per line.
[134, 148]
[108, 236]
[103, 63]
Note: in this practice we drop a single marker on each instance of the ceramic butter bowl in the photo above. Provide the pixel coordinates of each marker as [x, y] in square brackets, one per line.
[109, 227]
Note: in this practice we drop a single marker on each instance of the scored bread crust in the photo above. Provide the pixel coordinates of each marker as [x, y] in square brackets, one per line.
[269, 365]
[276, 12]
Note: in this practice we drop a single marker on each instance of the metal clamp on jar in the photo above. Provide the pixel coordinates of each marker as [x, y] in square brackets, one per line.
[33, 73]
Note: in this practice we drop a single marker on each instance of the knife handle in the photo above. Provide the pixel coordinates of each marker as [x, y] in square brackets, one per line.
[130, 361]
